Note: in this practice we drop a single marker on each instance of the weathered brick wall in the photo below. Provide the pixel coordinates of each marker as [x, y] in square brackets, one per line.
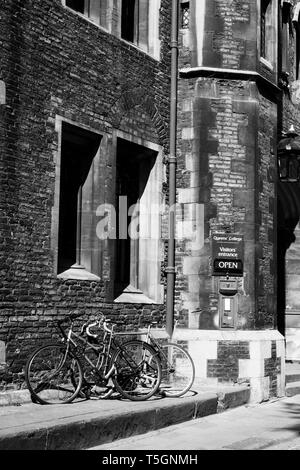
[56, 63]
[266, 225]
[226, 366]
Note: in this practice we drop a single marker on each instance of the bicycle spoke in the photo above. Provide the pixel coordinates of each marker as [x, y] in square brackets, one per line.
[178, 370]
[52, 375]
[138, 371]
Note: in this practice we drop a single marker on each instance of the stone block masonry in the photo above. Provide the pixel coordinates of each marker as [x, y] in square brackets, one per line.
[228, 112]
[253, 358]
[234, 187]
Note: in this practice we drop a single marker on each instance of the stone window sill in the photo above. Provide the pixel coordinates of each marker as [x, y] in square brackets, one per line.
[132, 295]
[78, 272]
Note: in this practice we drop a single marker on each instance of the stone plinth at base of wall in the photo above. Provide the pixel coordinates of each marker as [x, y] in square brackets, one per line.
[249, 357]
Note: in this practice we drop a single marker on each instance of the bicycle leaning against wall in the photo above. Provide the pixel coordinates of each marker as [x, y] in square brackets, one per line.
[178, 369]
[59, 372]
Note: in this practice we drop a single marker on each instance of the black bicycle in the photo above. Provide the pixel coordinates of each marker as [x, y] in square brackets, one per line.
[86, 361]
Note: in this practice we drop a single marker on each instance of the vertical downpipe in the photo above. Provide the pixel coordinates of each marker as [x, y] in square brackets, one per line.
[78, 228]
[170, 270]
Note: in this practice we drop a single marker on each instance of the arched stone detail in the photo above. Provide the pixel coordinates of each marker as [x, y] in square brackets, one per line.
[138, 97]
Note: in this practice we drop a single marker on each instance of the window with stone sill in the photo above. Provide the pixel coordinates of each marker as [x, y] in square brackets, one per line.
[268, 22]
[137, 21]
[77, 195]
[96, 10]
[137, 247]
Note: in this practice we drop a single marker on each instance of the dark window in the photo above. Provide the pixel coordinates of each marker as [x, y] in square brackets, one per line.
[184, 15]
[286, 31]
[134, 165]
[297, 45]
[264, 5]
[268, 30]
[135, 21]
[78, 150]
[77, 5]
[128, 21]
[96, 10]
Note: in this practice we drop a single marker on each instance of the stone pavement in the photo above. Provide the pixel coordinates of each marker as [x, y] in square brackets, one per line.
[87, 423]
[271, 425]
[292, 377]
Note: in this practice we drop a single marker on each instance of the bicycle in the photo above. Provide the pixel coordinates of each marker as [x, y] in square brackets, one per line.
[178, 369]
[54, 372]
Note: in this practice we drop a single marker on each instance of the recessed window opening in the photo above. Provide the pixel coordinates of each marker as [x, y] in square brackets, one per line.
[286, 31]
[297, 45]
[135, 22]
[78, 150]
[95, 10]
[267, 31]
[129, 17]
[184, 15]
[134, 181]
[77, 5]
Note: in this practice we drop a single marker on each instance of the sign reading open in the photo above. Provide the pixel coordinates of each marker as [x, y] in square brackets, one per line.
[228, 254]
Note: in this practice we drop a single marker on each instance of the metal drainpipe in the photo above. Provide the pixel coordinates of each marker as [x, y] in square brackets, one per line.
[170, 270]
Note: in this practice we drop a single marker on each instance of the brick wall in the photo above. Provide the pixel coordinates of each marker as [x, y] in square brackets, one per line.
[54, 63]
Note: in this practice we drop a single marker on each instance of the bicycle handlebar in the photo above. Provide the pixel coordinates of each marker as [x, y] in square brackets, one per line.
[96, 323]
[102, 323]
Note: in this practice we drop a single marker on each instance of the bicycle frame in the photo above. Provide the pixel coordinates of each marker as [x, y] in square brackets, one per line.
[129, 366]
[152, 341]
[101, 350]
[177, 365]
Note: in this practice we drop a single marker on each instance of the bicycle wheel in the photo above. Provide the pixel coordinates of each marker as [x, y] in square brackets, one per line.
[137, 372]
[53, 375]
[178, 370]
